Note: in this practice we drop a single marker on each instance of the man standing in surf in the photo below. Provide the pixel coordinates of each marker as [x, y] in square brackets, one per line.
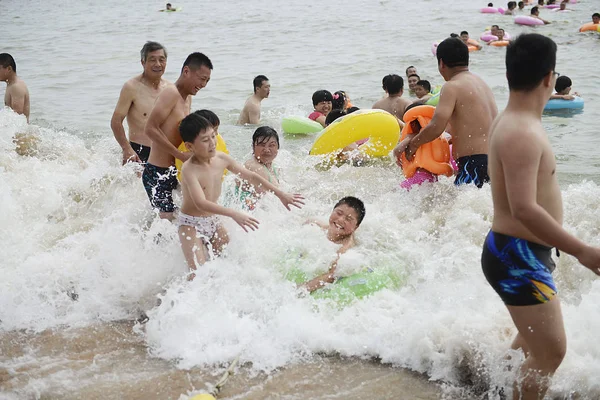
[468, 105]
[173, 105]
[136, 101]
[528, 215]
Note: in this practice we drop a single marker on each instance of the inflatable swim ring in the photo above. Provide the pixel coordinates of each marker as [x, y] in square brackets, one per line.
[552, 6]
[433, 156]
[435, 99]
[500, 43]
[560, 104]
[221, 146]
[300, 125]
[489, 10]
[379, 126]
[590, 26]
[488, 37]
[172, 9]
[526, 20]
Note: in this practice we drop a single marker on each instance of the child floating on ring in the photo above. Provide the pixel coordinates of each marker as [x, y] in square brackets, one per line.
[201, 233]
[432, 161]
[563, 89]
[322, 103]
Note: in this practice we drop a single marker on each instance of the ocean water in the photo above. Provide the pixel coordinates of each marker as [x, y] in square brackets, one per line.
[82, 254]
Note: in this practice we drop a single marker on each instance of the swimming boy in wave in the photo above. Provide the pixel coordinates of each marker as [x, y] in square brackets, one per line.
[201, 233]
[346, 217]
[322, 103]
[17, 95]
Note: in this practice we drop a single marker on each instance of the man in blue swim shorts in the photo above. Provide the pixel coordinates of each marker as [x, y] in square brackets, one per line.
[467, 105]
[528, 215]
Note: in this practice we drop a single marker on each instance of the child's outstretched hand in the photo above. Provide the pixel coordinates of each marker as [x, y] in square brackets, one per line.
[245, 221]
[288, 199]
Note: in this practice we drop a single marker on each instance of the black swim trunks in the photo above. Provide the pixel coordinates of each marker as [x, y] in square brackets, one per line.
[142, 151]
[472, 169]
[519, 271]
[159, 184]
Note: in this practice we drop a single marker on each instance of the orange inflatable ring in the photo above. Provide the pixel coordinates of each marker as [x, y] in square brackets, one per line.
[590, 26]
[473, 45]
[499, 43]
[433, 156]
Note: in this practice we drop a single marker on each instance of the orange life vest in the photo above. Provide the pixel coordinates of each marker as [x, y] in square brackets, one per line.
[433, 156]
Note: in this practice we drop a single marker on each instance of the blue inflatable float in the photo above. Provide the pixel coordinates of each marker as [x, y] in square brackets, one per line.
[560, 104]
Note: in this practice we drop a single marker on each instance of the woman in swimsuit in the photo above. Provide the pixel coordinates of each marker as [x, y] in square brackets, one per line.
[265, 146]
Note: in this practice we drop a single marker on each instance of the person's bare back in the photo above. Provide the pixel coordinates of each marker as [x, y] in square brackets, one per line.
[511, 127]
[17, 97]
[395, 105]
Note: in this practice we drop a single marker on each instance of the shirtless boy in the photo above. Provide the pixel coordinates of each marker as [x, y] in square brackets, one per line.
[251, 111]
[344, 220]
[201, 233]
[173, 105]
[468, 105]
[528, 216]
[17, 94]
[136, 101]
[393, 103]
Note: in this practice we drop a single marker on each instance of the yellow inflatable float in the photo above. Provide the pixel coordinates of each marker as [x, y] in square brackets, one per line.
[378, 126]
[221, 146]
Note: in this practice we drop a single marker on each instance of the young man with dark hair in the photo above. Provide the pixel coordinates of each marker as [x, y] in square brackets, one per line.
[17, 95]
[393, 103]
[136, 101]
[467, 104]
[464, 36]
[528, 214]
[596, 18]
[251, 112]
[412, 70]
[412, 81]
[535, 13]
[162, 128]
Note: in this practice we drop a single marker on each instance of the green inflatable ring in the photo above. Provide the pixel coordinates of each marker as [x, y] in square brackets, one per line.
[300, 126]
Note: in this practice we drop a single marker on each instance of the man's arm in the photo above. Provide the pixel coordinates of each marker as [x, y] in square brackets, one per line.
[520, 157]
[116, 122]
[160, 112]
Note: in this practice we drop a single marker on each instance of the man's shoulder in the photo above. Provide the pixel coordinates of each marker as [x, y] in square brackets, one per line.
[18, 87]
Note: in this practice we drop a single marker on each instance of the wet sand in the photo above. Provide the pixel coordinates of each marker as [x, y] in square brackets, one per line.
[110, 361]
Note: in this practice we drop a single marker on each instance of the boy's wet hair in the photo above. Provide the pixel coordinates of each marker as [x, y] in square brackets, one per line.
[339, 100]
[534, 10]
[454, 35]
[562, 82]
[596, 15]
[197, 60]
[529, 58]
[321, 95]
[263, 134]
[6, 60]
[258, 81]
[393, 83]
[354, 203]
[521, 4]
[490, 4]
[149, 47]
[425, 85]
[453, 52]
[464, 33]
[497, 26]
[192, 125]
[210, 116]
[333, 115]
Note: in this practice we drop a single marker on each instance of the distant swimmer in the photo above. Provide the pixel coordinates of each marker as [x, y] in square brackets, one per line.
[512, 5]
[500, 36]
[251, 112]
[521, 6]
[563, 89]
[464, 36]
[412, 81]
[412, 70]
[346, 217]
[535, 13]
[422, 91]
[394, 103]
[201, 232]
[172, 105]
[136, 100]
[169, 7]
[596, 18]
[528, 215]
[467, 104]
[17, 95]
[321, 100]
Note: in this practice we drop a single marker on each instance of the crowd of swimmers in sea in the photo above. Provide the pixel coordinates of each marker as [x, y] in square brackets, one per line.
[510, 151]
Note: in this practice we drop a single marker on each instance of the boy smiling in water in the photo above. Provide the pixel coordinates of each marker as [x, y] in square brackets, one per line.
[200, 230]
[346, 217]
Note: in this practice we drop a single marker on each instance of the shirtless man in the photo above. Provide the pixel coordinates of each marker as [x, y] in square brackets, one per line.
[535, 13]
[251, 111]
[136, 101]
[17, 94]
[528, 215]
[468, 105]
[173, 105]
[393, 102]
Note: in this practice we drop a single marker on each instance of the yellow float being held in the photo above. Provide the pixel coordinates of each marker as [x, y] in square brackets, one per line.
[221, 146]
